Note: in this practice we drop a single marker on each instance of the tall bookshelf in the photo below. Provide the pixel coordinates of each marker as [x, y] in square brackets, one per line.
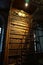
[18, 38]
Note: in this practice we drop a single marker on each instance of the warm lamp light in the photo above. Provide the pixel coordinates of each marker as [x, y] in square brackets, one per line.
[21, 14]
[26, 4]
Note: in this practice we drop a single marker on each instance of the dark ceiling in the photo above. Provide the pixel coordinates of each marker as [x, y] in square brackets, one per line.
[20, 4]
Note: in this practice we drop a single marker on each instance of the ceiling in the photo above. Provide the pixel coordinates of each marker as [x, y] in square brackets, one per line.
[20, 4]
[31, 9]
